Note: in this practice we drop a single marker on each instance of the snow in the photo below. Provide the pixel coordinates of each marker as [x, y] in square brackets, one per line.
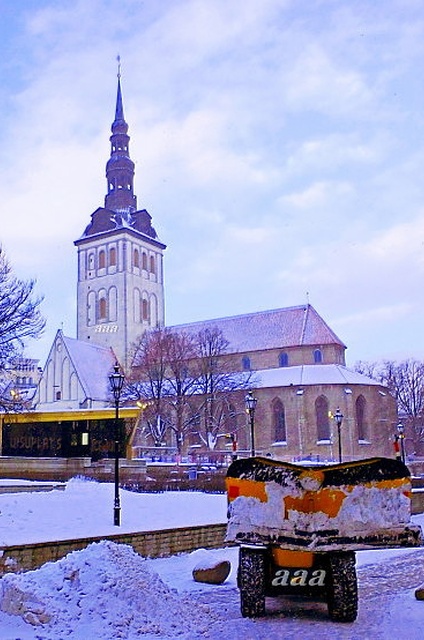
[107, 592]
[85, 509]
[364, 510]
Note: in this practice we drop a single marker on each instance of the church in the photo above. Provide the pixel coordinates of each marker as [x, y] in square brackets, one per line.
[301, 377]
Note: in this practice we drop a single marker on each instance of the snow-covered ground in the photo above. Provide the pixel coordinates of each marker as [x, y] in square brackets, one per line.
[107, 592]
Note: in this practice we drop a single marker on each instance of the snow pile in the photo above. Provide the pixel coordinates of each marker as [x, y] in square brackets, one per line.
[107, 591]
[364, 510]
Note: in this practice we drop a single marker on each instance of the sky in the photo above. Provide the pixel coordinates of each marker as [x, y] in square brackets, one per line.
[108, 592]
[279, 147]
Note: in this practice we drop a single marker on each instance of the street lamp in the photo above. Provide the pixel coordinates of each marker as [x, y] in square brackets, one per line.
[116, 380]
[401, 432]
[250, 403]
[338, 417]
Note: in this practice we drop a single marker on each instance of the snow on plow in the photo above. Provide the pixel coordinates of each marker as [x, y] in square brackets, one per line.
[349, 506]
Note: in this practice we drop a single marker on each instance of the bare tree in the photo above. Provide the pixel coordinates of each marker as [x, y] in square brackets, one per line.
[405, 381]
[161, 377]
[182, 378]
[147, 381]
[216, 386]
[20, 320]
[180, 354]
[20, 317]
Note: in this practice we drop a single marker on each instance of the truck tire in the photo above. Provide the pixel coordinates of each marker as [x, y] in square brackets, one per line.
[251, 581]
[342, 587]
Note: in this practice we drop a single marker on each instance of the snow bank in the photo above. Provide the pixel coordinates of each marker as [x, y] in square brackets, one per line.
[106, 590]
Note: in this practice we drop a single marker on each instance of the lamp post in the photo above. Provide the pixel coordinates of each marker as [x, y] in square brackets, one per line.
[401, 432]
[116, 380]
[338, 417]
[250, 403]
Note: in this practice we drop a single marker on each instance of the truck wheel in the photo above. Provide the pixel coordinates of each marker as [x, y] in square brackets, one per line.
[251, 581]
[342, 587]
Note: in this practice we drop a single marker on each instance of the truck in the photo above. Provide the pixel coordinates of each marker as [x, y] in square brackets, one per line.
[298, 527]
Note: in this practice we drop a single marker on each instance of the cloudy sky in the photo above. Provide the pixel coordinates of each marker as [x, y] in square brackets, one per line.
[279, 147]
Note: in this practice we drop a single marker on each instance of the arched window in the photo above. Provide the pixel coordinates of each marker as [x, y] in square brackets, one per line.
[144, 261]
[136, 258]
[154, 313]
[113, 304]
[360, 409]
[137, 305]
[245, 363]
[317, 356]
[102, 309]
[283, 359]
[152, 264]
[91, 308]
[112, 257]
[102, 259]
[322, 418]
[145, 309]
[279, 421]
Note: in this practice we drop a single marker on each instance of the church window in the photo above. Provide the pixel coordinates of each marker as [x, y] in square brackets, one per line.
[322, 418]
[102, 259]
[102, 309]
[145, 309]
[136, 258]
[152, 264]
[112, 257]
[144, 261]
[360, 409]
[137, 305]
[91, 309]
[283, 359]
[317, 356]
[245, 363]
[279, 421]
[91, 261]
[113, 304]
[154, 316]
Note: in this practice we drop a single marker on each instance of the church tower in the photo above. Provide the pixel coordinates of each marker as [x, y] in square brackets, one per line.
[120, 258]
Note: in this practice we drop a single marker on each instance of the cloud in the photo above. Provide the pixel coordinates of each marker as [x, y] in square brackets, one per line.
[276, 148]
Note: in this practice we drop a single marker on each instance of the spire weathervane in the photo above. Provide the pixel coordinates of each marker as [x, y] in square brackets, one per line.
[118, 59]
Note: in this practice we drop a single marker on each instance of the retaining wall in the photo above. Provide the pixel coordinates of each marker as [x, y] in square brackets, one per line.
[152, 544]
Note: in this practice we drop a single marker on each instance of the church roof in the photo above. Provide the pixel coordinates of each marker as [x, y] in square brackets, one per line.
[93, 364]
[275, 329]
[106, 221]
[312, 374]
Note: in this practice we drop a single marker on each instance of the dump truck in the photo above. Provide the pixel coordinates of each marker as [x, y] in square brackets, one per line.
[298, 527]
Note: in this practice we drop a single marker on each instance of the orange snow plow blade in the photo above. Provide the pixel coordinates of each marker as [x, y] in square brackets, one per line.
[355, 505]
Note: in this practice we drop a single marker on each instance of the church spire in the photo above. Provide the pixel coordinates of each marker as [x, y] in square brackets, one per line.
[119, 111]
[120, 168]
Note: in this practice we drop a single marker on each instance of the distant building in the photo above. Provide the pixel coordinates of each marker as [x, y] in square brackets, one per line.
[20, 382]
[301, 376]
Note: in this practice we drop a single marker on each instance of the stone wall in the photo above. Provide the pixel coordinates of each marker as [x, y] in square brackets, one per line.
[151, 544]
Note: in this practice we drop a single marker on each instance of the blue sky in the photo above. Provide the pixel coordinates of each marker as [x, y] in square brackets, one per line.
[279, 147]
